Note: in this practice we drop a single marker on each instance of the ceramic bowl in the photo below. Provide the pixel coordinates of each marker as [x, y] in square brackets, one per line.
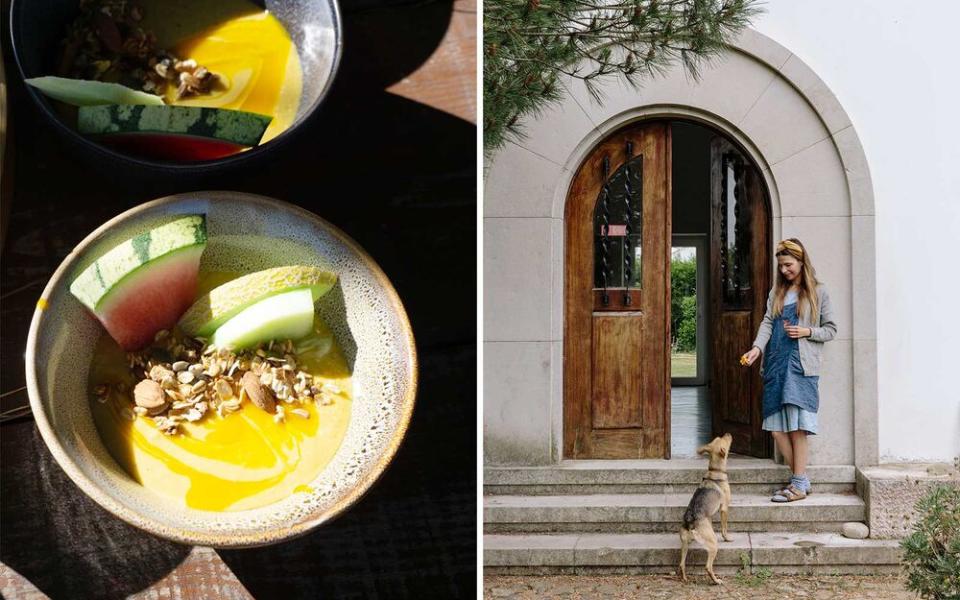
[36, 29]
[363, 311]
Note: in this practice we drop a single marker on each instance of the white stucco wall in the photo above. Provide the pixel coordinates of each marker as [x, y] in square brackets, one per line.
[893, 67]
[786, 118]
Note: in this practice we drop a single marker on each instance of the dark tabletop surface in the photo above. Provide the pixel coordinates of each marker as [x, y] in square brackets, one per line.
[397, 175]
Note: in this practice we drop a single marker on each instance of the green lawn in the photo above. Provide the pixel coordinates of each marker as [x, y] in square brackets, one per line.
[683, 364]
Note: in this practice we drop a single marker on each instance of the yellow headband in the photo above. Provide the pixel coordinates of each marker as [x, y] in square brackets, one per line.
[787, 244]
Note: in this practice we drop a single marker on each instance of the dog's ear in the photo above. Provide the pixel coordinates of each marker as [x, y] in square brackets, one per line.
[723, 452]
[703, 449]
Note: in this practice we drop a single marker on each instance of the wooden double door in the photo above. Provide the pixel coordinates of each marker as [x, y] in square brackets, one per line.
[617, 296]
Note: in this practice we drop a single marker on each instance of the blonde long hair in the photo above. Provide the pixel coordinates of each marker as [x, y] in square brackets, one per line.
[807, 296]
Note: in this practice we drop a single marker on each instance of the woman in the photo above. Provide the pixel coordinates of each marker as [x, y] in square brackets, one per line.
[798, 321]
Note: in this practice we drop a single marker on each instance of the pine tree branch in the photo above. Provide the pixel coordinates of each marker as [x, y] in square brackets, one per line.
[530, 44]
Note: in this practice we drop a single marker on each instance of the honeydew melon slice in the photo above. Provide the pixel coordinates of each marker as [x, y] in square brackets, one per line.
[81, 92]
[222, 303]
[286, 316]
[145, 283]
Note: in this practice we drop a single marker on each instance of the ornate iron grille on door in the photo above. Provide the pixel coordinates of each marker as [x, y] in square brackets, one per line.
[735, 233]
[618, 234]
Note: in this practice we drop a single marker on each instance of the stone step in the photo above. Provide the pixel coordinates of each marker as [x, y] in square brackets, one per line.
[747, 476]
[622, 513]
[655, 488]
[780, 552]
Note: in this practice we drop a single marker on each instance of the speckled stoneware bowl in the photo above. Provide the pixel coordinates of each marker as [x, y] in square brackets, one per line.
[363, 310]
[36, 29]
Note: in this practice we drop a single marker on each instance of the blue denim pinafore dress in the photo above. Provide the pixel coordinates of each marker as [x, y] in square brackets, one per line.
[790, 398]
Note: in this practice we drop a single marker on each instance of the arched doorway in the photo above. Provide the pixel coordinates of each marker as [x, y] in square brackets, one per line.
[619, 221]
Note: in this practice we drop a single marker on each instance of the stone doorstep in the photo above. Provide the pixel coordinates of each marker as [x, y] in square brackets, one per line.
[785, 551]
[629, 508]
[654, 488]
[695, 572]
[663, 527]
[674, 471]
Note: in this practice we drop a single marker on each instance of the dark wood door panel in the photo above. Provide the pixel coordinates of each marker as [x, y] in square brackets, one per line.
[617, 342]
[616, 352]
[626, 443]
[735, 384]
[740, 269]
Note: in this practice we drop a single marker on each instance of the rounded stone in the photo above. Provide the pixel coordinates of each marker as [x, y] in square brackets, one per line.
[855, 531]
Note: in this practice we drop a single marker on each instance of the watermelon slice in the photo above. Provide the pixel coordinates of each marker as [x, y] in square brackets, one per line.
[165, 146]
[233, 126]
[146, 283]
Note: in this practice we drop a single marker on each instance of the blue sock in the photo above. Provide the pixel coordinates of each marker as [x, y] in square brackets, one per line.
[800, 482]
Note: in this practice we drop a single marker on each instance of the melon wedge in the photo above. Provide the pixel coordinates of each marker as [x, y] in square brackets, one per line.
[145, 283]
[216, 307]
[286, 316]
[81, 92]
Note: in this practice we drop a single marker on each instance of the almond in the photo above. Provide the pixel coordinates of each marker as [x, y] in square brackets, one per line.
[258, 393]
[150, 396]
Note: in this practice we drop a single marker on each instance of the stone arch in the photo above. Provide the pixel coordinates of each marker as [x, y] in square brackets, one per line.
[795, 129]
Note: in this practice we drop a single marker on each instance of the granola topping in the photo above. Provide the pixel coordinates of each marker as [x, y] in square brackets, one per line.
[185, 379]
[107, 42]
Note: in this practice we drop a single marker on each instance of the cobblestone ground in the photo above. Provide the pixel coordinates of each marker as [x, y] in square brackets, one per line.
[810, 587]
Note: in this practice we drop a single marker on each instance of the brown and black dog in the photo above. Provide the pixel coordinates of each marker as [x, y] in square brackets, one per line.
[712, 495]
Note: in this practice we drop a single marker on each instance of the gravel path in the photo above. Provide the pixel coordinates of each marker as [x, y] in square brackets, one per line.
[812, 587]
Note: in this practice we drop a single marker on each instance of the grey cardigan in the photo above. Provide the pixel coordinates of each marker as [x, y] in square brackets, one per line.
[811, 348]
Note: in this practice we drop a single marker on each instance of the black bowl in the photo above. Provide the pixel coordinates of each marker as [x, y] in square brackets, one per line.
[36, 28]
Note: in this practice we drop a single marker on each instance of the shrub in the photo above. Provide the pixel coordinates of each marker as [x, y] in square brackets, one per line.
[931, 553]
[683, 284]
[687, 331]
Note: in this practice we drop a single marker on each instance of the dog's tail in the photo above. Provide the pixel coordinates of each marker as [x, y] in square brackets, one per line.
[691, 533]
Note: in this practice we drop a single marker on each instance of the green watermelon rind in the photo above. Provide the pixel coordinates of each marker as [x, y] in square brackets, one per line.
[227, 300]
[237, 126]
[99, 282]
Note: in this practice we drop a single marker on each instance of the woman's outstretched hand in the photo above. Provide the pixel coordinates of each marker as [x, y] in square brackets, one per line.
[750, 357]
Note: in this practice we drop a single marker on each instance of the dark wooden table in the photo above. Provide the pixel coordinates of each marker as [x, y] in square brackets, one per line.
[390, 159]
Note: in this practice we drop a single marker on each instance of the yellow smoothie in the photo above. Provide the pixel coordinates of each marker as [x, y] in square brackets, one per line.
[242, 43]
[241, 460]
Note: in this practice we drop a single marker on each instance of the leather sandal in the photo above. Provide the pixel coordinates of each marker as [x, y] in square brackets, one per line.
[789, 494]
[779, 492]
